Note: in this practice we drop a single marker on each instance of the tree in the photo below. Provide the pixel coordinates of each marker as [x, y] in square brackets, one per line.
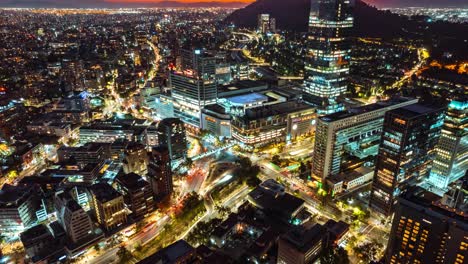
[332, 255]
[223, 211]
[97, 247]
[253, 181]
[248, 172]
[201, 233]
[245, 163]
[188, 162]
[276, 160]
[124, 255]
[138, 248]
[367, 251]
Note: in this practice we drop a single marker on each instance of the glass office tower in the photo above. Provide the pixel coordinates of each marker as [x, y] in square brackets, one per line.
[451, 160]
[407, 149]
[328, 56]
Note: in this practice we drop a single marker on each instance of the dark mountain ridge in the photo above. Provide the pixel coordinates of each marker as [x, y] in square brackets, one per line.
[368, 22]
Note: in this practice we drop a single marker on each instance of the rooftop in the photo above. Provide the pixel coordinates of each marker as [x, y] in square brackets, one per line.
[216, 108]
[28, 236]
[427, 202]
[303, 239]
[350, 175]
[285, 205]
[364, 109]
[416, 110]
[249, 98]
[104, 192]
[171, 254]
[13, 196]
[275, 109]
[132, 181]
[241, 87]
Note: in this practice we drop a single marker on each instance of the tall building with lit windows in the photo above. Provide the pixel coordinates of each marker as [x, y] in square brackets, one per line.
[328, 56]
[194, 86]
[350, 135]
[407, 149]
[451, 160]
[160, 173]
[172, 135]
[425, 232]
[108, 206]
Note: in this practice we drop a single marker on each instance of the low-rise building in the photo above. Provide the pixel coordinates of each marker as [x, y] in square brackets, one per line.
[179, 252]
[49, 128]
[350, 180]
[280, 204]
[301, 245]
[216, 120]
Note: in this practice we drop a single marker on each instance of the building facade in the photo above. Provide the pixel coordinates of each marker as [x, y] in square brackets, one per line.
[451, 160]
[18, 208]
[194, 86]
[407, 149]
[135, 159]
[108, 206]
[73, 218]
[355, 132]
[328, 56]
[138, 197]
[172, 136]
[423, 232]
[160, 173]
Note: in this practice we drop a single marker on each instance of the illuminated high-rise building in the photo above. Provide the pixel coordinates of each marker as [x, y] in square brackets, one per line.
[194, 86]
[108, 206]
[424, 231]
[266, 23]
[160, 173]
[328, 56]
[407, 149]
[172, 136]
[451, 160]
[350, 135]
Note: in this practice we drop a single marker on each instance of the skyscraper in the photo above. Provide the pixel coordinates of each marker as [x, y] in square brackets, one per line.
[407, 148]
[451, 160]
[194, 85]
[349, 135]
[424, 232]
[266, 23]
[328, 56]
[172, 136]
[160, 173]
[138, 197]
[263, 22]
[108, 206]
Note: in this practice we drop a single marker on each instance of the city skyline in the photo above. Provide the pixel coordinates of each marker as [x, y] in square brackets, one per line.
[227, 3]
[285, 132]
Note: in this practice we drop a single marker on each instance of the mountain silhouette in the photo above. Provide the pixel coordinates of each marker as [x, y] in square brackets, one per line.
[368, 22]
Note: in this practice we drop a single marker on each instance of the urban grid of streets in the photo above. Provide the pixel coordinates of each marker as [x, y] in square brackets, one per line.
[198, 182]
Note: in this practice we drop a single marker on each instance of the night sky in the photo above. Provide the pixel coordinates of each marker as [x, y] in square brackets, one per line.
[123, 3]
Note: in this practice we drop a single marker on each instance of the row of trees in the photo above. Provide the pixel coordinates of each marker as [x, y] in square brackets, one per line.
[248, 173]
